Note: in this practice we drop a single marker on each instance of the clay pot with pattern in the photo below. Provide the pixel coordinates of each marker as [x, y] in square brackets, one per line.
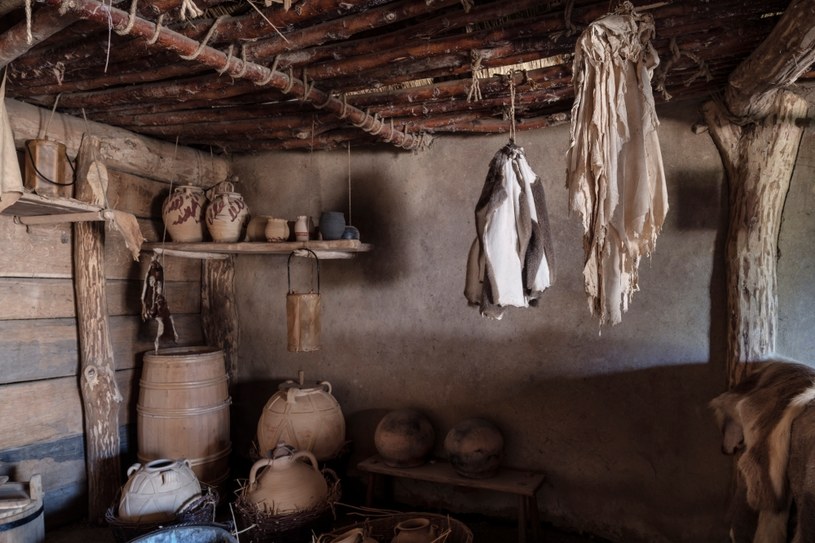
[226, 214]
[155, 491]
[183, 213]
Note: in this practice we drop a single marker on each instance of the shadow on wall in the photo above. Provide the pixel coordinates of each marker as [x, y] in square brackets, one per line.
[632, 455]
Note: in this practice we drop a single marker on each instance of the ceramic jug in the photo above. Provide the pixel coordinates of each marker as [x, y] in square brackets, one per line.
[183, 213]
[414, 530]
[310, 418]
[226, 213]
[155, 491]
[277, 230]
[284, 484]
[302, 228]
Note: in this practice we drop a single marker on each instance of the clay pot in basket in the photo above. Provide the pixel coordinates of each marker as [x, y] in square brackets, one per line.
[414, 530]
[285, 484]
[354, 535]
[404, 438]
[475, 448]
[154, 492]
[308, 418]
[183, 214]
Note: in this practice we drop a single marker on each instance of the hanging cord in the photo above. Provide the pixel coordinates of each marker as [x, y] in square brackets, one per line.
[154, 38]
[474, 94]
[96, 161]
[164, 232]
[28, 35]
[350, 218]
[269, 77]
[203, 43]
[677, 53]
[51, 117]
[131, 20]
[189, 7]
[229, 51]
[511, 107]
[279, 33]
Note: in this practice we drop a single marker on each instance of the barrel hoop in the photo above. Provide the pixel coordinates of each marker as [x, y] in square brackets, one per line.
[181, 411]
[179, 385]
[220, 455]
[20, 521]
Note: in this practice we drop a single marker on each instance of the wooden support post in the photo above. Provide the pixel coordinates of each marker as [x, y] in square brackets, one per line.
[758, 159]
[219, 311]
[100, 393]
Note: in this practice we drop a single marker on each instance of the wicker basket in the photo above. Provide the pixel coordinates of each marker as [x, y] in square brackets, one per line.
[256, 525]
[199, 511]
[381, 528]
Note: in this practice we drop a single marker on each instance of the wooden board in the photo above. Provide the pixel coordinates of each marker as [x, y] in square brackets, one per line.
[47, 348]
[510, 481]
[340, 246]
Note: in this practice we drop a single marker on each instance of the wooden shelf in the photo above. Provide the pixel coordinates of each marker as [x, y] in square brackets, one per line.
[30, 205]
[326, 250]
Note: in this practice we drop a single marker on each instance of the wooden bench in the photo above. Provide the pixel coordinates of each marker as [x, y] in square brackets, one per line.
[523, 484]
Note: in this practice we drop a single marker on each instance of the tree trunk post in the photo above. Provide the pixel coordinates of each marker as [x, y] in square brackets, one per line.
[219, 312]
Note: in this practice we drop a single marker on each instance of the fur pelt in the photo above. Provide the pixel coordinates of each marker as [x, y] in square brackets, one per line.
[757, 418]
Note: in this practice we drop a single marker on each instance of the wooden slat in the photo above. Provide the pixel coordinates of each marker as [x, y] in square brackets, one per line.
[54, 298]
[47, 348]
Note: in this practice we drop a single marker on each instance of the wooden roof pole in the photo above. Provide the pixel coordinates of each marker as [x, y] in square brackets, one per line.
[44, 24]
[103, 14]
[758, 140]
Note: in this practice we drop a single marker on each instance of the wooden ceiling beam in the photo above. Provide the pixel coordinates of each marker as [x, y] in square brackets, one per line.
[44, 24]
[209, 56]
[778, 62]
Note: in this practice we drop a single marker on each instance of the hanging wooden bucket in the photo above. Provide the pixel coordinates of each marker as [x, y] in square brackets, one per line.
[303, 315]
[21, 512]
[183, 410]
[46, 169]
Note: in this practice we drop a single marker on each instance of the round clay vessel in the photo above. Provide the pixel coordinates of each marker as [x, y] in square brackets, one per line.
[404, 438]
[309, 418]
[284, 485]
[256, 228]
[414, 530]
[154, 492]
[183, 213]
[475, 448]
[226, 215]
[354, 535]
[332, 224]
[277, 230]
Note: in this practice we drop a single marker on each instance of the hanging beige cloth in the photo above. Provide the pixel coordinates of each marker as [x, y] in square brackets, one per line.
[11, 180]
[615, 176]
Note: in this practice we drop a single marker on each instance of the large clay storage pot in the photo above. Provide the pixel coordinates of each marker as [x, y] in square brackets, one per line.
[156, 491]
[226, 214]
[183, 213]
[21, 512]
[183, 410]
[308, 418]
[414, 530]
[283, 484]
[475, 448]
[404, 438]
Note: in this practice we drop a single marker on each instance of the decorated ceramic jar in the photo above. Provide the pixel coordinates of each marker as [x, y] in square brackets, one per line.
[404, 438]
[226, 214]
[309, 418]
[183, 213]
[155, 491]
[288, 482]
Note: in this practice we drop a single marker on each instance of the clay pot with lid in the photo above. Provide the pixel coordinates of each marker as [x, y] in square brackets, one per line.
[285, 484]
[309, 418]
[475, 448]
[404, 438]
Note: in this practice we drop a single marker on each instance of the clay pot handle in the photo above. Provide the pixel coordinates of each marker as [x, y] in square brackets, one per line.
[310, 456]
[326, 385]
[262, 463]
[132, 469]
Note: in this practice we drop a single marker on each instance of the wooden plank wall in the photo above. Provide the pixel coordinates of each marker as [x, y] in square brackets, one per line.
[40, 404]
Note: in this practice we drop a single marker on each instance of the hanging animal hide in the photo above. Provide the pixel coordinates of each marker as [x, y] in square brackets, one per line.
[768, 420]
[511, 261]
[615, 175]
[154, 305]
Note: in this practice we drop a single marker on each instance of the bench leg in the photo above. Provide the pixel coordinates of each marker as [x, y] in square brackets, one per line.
[369, 494]
[534, 518]
[522, 519]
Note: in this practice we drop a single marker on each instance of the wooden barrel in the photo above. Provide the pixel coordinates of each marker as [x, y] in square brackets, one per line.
[183, 410]
[21, 512]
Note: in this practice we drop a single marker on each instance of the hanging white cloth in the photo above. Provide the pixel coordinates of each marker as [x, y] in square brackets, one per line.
[11, 180]
[615, 176]
[511, 261]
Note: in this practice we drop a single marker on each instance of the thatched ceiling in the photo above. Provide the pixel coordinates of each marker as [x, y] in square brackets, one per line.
[408, 62]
